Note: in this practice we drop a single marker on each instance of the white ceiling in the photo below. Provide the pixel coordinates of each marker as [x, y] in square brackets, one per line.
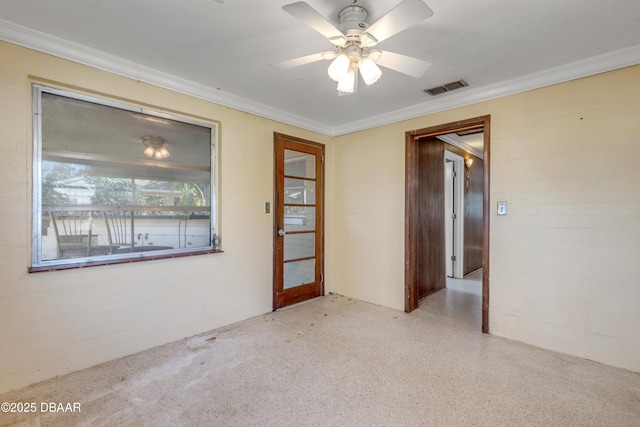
[222, 50]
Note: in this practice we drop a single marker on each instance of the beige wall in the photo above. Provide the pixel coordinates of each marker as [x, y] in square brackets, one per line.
[563, 261]
[562, 273]
[56, 322]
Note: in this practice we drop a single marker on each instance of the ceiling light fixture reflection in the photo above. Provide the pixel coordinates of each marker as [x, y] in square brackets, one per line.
[154, 147]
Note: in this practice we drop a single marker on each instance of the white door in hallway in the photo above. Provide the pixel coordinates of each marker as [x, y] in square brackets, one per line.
[449, 217]
[454, 213]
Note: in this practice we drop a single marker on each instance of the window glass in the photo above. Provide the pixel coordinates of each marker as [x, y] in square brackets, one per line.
[112, 181]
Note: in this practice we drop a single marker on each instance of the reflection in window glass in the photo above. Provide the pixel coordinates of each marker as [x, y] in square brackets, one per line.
[115, 182]
[299, 164]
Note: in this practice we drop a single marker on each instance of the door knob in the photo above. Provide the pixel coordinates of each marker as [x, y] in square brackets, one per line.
[281, 232]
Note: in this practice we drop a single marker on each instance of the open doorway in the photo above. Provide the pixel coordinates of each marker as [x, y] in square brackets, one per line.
[425, 268]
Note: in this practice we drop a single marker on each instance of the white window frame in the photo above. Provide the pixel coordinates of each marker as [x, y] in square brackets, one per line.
[38, 264]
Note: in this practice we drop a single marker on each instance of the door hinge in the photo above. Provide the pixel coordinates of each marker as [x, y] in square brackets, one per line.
[453, 257]
[453, 216]
[454, 174]
[323, 159]
[321, 277]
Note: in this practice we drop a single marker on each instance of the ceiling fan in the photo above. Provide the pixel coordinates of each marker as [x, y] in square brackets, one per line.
[354, 39]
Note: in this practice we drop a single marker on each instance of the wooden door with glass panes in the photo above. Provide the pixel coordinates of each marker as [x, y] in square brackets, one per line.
[298, 220]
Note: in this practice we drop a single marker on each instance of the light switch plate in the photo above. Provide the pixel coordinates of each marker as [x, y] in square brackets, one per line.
[267, 207]
[502, 208]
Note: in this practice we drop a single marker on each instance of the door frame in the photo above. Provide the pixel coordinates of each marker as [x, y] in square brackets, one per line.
[412, 140]
[458, 207]
[278, 241]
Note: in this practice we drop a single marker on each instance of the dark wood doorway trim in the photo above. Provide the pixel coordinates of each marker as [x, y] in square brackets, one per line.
[412, 139]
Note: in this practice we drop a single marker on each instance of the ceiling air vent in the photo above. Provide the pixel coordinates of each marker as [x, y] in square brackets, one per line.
[446, 88]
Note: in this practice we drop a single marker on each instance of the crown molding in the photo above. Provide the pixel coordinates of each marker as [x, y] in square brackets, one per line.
[42, 42]
[76, 52]
[571, 71]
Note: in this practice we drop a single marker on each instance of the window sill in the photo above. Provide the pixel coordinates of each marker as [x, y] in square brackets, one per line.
[70, 266]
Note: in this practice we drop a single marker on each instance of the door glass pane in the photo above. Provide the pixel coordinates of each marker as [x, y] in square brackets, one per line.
[300, 218]
[299, 246]
[299, 164]
[299, 191]
[299, 273]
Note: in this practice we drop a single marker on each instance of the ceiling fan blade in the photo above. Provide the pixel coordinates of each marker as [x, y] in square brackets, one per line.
[404, 15]
[312, 18]
[303, 60]
[413, 67]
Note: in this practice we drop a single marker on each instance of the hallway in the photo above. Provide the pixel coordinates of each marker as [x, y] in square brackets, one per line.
[460, 300]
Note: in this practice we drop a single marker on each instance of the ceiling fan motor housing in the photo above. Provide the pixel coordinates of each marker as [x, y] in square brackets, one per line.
[352, 22]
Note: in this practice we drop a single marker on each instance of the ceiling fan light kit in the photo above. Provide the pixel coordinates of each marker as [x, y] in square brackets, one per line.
[339, 67]
[353, 40]
[347, 84]
[369, 71]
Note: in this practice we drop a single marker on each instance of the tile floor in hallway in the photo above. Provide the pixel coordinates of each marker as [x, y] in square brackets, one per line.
[460, 300]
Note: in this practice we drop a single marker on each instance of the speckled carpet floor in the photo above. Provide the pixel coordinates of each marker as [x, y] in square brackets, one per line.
[341, 362]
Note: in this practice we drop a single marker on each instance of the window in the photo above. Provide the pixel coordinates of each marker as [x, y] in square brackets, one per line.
[115, 183]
